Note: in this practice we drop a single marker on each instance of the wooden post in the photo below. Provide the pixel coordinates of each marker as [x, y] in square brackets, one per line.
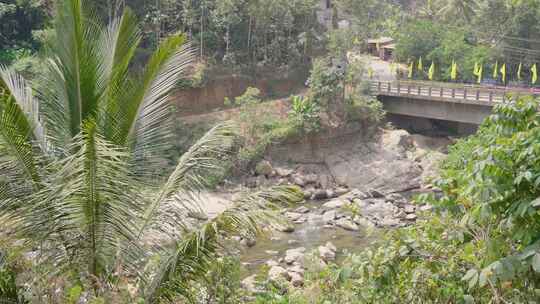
[429, 91]
[453, 93]
[490, 96]
[477, 94]
[389, 87]
[465, 94]
[398, 88]
[408, 89]
[442, 92]
[419, 90]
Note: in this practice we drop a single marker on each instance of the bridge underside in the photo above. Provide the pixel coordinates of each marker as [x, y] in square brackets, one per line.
[450, 111]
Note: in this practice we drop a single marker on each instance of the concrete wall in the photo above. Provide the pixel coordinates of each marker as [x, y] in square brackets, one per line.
[441, 110]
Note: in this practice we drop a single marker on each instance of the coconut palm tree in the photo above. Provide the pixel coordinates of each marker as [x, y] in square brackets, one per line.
[460, 9]
[77, 179]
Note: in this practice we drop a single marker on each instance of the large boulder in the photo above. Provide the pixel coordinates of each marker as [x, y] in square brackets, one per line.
[295, 255]
[329, 216]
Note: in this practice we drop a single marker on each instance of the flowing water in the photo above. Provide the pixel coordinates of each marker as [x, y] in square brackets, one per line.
[309, 235]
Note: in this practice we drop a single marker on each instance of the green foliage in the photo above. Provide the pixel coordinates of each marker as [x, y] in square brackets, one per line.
[79, 182]
[222, 284]
[19, 18]
[305, 113]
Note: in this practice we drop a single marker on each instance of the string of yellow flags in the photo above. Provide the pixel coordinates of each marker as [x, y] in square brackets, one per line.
[478, 71]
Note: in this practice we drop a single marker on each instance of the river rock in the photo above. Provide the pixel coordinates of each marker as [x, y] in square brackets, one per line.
[330, 193]
[329, 216]
[341, 191]
[426, 208]
[311, 178]
[302, 209]
[293, 216]
[298, 180]
[347, 224]
[308, 193]
[296, 268]
[285, 227]
[409, 208]
[282, 172]
[335, 203]
[312, 217]
[411, 217]
[272, 252]
[389, 222]
[319, 194]
[264, 168]
[375, 193]
[294, 255]
[292, 242]
[296, 279]
[327, 254]
[276, 273]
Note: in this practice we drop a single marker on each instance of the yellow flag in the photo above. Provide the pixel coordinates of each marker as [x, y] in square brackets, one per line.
[534, 74]
[496, 70]
[453, 71]
[519, 72]
[478, 69]
[356, 42]
[503, 72]
[410, 75]
[431, 70]
[420, 65]
[370, 72]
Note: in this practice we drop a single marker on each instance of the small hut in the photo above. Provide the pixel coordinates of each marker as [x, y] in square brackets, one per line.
[381, 47]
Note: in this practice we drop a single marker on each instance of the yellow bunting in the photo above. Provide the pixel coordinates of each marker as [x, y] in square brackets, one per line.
[503, 72]
[370, 72]
[519, 71]
[410, 74]
[496, 70]
[420, 65]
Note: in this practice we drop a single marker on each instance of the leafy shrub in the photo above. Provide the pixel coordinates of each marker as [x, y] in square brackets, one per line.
[305, 113]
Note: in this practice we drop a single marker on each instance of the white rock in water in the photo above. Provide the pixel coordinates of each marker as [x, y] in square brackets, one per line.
[326, 254]
[329, 216]
[271, 263]
[336, 203]
[347, 224]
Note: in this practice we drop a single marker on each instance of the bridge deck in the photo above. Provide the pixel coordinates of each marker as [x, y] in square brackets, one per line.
[447, 92]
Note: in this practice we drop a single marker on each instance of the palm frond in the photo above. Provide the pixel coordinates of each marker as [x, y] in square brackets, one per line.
[146, 110]
[92, 202]
[19, 128]
[192, 254]
[76, 78]
[190, 176]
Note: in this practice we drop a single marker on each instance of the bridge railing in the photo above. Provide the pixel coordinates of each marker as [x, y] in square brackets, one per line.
[451, 92]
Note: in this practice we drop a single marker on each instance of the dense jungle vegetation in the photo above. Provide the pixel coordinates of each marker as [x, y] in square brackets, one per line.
[84, 194]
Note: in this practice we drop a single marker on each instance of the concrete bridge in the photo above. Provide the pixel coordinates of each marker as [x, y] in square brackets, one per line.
[442, 101]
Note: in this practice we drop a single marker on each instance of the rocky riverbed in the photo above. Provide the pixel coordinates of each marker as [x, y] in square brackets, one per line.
[354, 190]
